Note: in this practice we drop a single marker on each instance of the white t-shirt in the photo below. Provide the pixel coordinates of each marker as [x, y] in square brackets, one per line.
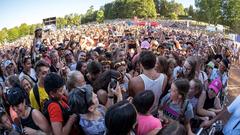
[32, 74]
[234, 109]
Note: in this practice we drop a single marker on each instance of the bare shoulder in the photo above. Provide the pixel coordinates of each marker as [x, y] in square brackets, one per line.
[136, 85]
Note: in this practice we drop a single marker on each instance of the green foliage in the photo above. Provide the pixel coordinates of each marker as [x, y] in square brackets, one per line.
[191, 11]
[100, 16]
[130, 8]
[173, 16]
[13, 34]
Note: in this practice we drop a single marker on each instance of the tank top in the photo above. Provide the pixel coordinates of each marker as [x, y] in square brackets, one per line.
[28, 122]
[155, 86]
[209, 103]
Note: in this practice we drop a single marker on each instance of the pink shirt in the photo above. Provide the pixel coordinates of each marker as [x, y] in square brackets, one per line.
[147, 123]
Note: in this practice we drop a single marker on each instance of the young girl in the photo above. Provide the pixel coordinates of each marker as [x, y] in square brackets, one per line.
[175, 105]
[146, 122]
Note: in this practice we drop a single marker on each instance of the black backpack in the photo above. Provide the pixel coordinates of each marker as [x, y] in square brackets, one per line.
[65, 111]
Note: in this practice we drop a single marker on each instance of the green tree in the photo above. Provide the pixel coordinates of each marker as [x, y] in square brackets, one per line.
[190, 11]
[3, 35]
[24, 29]
[100, 16]
[209, 10]
[13, 34]
[164, 8]
[173, 16]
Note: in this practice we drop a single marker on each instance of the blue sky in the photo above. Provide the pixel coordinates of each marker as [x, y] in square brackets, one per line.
[15, 12]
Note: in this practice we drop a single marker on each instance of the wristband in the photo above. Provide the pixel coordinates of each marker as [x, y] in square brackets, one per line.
[111, 97]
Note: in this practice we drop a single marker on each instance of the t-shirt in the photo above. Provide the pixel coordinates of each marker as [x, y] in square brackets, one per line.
[202, 76]
[94, 127]
[147, 123]
[32, 74]
[55, 111]
[43, 97]
[194, 102]
[173, 111]
[234, 109]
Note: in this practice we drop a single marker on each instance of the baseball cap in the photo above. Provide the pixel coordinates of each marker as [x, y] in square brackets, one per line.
[7, 63]
[145, 45]
[211, 64]
[216, 85]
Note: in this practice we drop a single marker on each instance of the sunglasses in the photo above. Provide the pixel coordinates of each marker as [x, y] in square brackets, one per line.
[106, 62]
[118, 64]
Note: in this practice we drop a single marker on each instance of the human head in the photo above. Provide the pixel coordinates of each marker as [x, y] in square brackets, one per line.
[82, 56]
[189, 67]
[179, 89]
[13, 81]
[105, 78]
[94, 69]
[54, 85]
[147, 60]
[68, 56]
[42, 69]
[223, 65]
[82, 67]
[143, 101]
[9, 67]
[82, 100]
[120, 118]
[145, 45]
[120, 66]
[27, 63]
[75, 79]
[5, 119]
[54, 57]
[196, 88]
[214, 87]
[16, 99]
[174, 128]
[106, 65]
[26, 83]
[162, 65]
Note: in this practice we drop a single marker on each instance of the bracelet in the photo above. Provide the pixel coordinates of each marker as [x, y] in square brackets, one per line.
[111, 97]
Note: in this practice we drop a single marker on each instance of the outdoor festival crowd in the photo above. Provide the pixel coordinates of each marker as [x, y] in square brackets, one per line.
[116, 79]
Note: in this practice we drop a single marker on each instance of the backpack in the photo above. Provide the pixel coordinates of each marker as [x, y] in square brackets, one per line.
[65, 114]
[65, 111]
[36, 95]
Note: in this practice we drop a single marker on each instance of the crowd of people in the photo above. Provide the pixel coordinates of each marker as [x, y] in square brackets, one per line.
[115, 79]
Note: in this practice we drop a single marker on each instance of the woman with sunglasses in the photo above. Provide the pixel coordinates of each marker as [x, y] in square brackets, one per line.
[209, 103]
[32, 121]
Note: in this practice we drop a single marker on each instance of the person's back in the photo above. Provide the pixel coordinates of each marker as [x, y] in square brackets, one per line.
[155, 85]
[149, 80]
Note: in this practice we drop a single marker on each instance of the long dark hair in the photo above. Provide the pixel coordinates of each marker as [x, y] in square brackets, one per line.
[120, 118]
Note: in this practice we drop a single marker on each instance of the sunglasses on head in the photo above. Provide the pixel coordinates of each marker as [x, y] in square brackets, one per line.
[118, 64]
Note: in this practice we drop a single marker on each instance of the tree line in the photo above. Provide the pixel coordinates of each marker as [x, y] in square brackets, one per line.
[226, 12]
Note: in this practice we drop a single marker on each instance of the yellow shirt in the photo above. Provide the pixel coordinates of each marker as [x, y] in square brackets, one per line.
[43, 96]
